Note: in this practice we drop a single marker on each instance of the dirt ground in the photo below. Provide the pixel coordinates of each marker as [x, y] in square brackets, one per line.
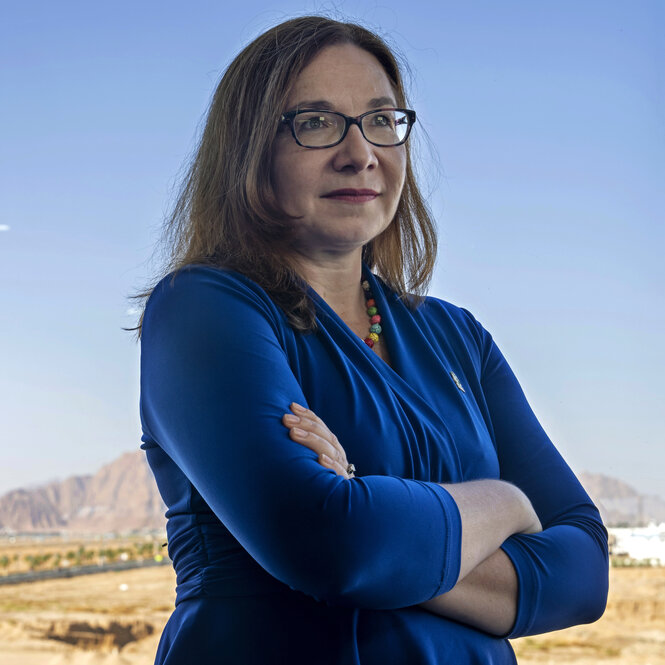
[116, 619]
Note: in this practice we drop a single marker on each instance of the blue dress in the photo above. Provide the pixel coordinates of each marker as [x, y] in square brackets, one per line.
[278, 559]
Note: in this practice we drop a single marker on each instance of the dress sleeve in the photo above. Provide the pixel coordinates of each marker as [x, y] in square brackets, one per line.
[215, 383]
[562, 571]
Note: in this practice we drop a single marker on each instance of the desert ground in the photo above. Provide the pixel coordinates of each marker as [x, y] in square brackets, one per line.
[115, 618]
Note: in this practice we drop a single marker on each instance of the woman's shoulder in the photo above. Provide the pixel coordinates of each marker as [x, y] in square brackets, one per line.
[202, 281]
[198, 290]
[436, 316]
[198, 276]
[453, 319]
[438, 308]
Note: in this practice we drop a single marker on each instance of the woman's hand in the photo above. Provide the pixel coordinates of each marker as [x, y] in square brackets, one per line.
[307, 428]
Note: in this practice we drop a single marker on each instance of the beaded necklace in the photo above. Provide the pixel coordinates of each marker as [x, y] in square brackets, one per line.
[374, 317]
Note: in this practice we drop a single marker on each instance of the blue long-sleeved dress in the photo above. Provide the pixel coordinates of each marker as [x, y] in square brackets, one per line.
[278, 559]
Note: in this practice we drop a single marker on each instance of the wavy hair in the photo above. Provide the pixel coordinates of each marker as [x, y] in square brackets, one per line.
[227, 214]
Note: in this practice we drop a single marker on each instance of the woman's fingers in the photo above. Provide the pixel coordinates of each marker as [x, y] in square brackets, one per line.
[304, 432]
[339, 469]
[306, 428]
[312, 423]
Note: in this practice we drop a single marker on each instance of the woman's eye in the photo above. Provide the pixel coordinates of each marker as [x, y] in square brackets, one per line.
[383, 121]
[314, 123]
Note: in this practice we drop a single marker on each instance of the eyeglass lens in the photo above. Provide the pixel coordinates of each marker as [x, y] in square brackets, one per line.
[321, 128]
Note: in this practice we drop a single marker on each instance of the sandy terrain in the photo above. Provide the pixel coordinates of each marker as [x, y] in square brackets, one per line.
[116, 619]
[110, 618]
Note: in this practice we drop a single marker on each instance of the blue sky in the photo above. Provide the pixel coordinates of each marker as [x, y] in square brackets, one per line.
[541, 139]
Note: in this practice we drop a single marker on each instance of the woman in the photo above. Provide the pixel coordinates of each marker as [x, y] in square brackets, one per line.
[273, 357]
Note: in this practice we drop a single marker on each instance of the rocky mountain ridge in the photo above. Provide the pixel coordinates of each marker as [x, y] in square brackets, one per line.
[122, 496]
[620, 504]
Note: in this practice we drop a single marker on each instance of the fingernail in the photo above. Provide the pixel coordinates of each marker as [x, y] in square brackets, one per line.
[299, 432]
[291, 419]
[296, 407]
[325, 458]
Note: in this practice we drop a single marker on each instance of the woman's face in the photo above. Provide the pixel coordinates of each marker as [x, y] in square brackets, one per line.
[322, 186]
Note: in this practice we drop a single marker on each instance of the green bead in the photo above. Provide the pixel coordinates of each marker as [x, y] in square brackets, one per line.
[376, 328]
[372, 311]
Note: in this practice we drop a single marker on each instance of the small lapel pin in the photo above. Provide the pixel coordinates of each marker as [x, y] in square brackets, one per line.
[457, 381]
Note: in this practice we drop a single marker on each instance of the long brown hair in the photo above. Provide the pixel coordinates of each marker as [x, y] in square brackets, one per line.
[227, 214]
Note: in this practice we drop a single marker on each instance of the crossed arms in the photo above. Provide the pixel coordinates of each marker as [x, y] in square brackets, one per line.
[215, 385]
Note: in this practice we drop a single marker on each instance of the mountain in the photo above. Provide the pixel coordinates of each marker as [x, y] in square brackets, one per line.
[619, 503]
[121, 496]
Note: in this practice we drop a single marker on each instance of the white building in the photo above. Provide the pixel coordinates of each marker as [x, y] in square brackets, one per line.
[640, 543]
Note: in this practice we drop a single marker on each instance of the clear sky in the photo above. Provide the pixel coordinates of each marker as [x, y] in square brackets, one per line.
[545, 167]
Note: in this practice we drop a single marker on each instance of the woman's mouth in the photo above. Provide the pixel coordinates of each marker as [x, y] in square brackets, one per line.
[352, 195]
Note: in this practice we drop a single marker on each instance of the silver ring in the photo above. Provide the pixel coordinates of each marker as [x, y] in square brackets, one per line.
[350, 469]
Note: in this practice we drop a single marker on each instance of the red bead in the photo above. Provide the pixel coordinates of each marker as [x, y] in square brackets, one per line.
[369, 342]
[375, 319]
[371, 302]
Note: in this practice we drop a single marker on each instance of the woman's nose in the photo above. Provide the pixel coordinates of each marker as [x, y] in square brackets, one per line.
[355, 152]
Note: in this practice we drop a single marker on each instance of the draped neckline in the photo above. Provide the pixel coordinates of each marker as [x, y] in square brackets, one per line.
[398, 374]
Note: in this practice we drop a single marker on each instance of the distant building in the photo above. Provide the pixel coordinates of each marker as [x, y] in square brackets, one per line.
[643, 544]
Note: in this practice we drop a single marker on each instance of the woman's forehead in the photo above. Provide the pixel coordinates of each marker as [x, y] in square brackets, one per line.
[342, 73]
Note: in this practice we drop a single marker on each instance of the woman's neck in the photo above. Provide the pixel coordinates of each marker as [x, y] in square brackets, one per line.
[337, 281]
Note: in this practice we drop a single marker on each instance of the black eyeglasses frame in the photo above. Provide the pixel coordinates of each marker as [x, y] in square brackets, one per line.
[287, 119]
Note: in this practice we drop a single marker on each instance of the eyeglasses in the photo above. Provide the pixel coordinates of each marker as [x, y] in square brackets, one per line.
[312, 128]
